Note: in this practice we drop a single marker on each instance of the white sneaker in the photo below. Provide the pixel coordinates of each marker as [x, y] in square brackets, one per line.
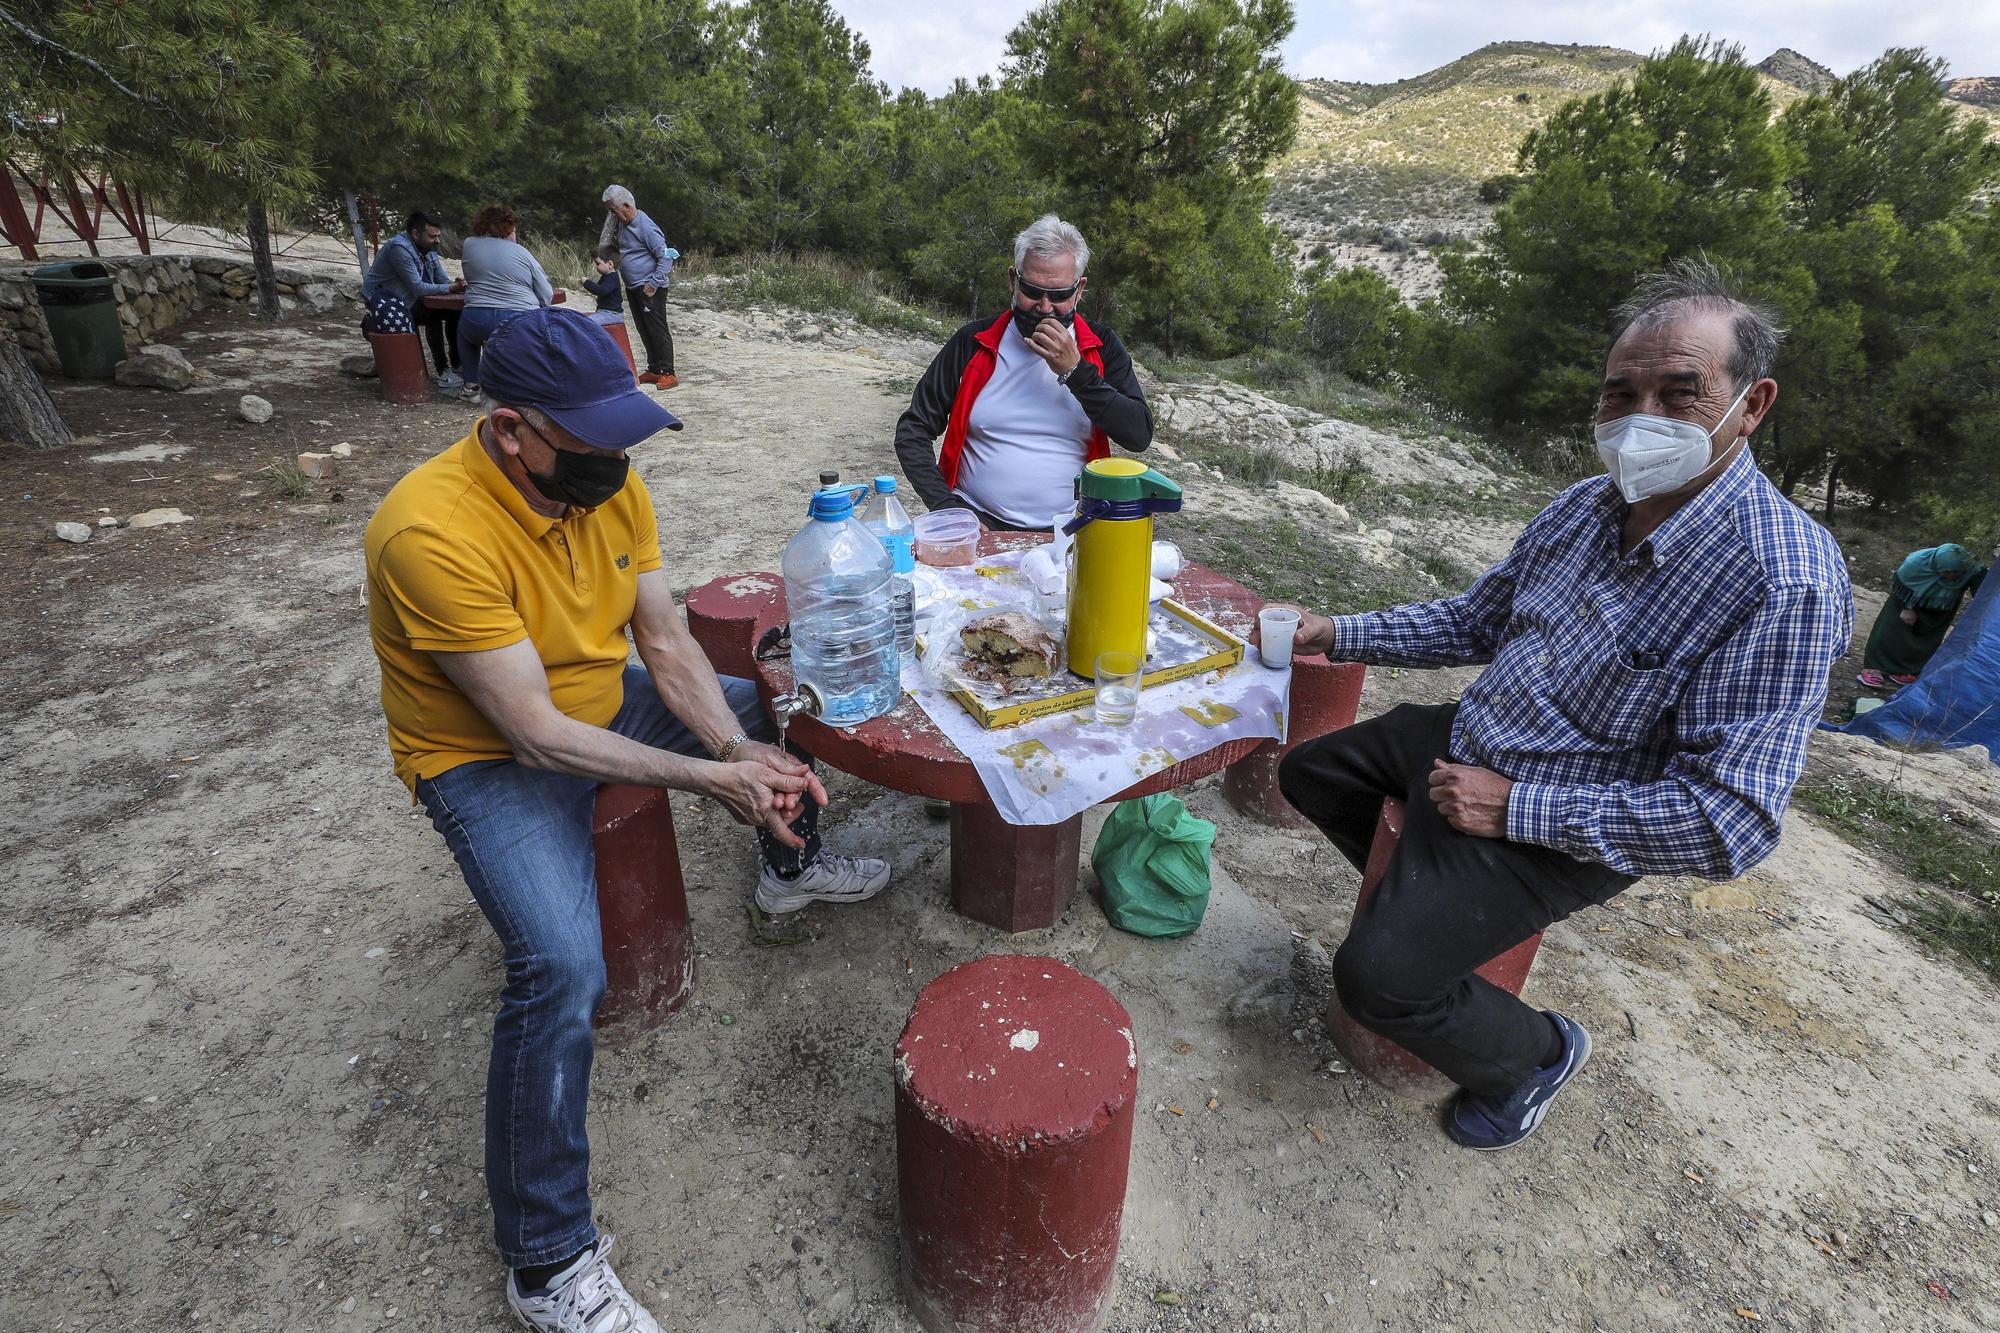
[586, 1297]
[831, 879]
[451, 379]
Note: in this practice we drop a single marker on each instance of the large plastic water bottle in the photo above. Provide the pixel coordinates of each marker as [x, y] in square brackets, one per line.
[885, 516]
[839, 585]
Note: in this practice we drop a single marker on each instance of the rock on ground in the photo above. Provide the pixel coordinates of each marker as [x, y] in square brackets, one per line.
[73, 532]
[361, 365]
[159, 518]
[155, 366]
[253, 409]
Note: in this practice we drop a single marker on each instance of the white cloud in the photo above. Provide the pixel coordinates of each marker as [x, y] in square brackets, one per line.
[1377, 41]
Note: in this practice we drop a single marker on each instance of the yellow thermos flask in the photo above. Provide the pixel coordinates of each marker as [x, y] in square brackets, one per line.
[1113, 528]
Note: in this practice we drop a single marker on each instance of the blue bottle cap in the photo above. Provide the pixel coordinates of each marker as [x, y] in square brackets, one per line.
[833, 505]
[885, 485]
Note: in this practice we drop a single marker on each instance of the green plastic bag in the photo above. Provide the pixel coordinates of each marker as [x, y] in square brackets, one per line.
[1151, 861]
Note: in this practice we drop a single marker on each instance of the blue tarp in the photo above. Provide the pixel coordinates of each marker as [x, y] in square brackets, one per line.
[1956, 701]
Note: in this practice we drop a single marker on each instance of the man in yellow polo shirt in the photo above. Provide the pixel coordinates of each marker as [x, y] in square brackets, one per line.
[503, 576]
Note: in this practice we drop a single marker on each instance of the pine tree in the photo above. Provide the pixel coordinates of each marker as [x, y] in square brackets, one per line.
[1154, 121]
[1680, 160]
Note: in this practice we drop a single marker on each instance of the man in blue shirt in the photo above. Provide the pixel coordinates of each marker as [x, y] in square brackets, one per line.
[406, 270]
[644, 260]
[1660, 640]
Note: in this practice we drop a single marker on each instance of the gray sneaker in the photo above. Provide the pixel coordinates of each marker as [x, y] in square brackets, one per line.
[451, 379]
[586, 1297]
[831, 879]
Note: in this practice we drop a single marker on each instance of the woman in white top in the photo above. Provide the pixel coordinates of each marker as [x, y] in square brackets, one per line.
[502, 279]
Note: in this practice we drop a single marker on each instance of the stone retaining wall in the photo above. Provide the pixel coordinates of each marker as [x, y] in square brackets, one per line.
[156, 292]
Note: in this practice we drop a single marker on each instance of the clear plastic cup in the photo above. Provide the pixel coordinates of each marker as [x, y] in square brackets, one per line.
[1277, 627]
[1117, 700]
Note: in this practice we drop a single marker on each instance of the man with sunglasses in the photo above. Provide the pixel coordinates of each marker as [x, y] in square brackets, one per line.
[1023, 400]
[503, 577]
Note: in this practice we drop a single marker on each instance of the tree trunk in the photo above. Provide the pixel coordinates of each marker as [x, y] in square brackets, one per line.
[1832, 491]
[27, 414]
[972, 297]
[360, 241]
[260, 257]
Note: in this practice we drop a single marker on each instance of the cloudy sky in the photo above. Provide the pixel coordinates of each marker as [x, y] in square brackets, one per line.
[1377, 41]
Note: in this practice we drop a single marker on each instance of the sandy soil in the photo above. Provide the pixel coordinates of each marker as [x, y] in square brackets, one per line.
[250, 995]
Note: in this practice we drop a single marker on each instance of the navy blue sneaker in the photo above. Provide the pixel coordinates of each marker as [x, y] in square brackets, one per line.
[1492, 1122]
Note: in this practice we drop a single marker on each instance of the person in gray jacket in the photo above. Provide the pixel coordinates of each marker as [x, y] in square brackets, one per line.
[405, 271]
[645, 261]
[502, 279]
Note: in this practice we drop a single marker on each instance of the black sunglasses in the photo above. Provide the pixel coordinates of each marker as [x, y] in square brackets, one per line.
[1055, 294]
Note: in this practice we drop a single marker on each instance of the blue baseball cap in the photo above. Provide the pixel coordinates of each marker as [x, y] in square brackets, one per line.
[559, 361]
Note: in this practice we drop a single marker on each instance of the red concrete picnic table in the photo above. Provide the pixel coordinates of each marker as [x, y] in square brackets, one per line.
[456, 300]
[1015, 876]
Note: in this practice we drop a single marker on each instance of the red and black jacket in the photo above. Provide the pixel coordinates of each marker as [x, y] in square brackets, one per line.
[1103, 384]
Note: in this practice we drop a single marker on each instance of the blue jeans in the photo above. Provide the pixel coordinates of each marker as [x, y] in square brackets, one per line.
[475, 326]
[522, 838]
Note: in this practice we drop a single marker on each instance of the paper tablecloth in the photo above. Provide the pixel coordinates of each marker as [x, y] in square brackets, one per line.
[1049, 769]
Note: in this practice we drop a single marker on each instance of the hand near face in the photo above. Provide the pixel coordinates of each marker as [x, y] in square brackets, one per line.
[1474, 800]
[1055, 345]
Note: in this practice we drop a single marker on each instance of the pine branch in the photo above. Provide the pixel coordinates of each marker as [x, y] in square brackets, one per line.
[68, 53]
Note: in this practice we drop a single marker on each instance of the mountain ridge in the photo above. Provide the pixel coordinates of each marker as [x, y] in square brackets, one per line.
[1383, 173]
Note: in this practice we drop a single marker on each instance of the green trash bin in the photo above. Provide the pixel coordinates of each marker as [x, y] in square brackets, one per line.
[80, 301]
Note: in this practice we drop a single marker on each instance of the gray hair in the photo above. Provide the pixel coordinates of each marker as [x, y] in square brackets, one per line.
[1693, 284]
[1049, 237]
[618, 194]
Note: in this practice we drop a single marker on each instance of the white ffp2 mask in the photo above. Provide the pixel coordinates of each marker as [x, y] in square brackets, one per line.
[1648, 455]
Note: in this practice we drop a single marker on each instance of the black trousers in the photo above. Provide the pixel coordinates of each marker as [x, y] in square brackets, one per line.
[650, 314]
[441, 331]
[1448, 902]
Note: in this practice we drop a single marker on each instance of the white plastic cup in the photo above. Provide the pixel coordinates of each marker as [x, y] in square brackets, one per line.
[1277, 626]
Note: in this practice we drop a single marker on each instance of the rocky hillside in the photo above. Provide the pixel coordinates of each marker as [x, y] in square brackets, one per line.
[1794, 70]
[1385, 174]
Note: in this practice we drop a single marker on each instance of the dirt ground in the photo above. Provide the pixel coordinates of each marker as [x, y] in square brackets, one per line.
[250, 996]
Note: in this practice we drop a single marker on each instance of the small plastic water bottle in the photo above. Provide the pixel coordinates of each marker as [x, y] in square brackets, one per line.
[839, 586]
[885, 516]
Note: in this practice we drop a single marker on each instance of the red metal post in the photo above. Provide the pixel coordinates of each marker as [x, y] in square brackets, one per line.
[1325, 697]
[1015, 1087]
[15, 228]
[1014, 877]
[82, 223]
[642, 912]
[1381, 1059]
[133, 216]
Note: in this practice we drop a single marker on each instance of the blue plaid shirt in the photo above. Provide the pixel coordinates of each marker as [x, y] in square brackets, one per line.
[1652, 710]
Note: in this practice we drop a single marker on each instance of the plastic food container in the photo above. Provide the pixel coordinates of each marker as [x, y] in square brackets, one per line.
[948, 537]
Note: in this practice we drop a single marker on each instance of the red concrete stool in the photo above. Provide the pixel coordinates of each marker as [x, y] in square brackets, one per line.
[624, 341]
[642, 913]
[722, 615]
[1381, 1059]
[1325, 696]
[1015, 1084]
[399, 367]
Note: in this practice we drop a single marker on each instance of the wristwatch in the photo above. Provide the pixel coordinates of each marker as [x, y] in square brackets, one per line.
[1063, 379]
[729, 747]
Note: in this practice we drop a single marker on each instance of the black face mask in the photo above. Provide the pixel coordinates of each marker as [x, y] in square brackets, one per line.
[1026, 320]
[583, 480]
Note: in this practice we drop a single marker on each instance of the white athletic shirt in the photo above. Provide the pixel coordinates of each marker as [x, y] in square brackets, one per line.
[1025, 441]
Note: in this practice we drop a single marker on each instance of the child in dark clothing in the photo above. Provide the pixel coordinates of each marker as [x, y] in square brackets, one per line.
[610, 298]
